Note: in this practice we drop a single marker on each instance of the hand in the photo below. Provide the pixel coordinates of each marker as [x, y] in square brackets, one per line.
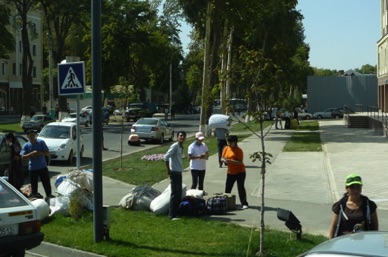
[169, 172]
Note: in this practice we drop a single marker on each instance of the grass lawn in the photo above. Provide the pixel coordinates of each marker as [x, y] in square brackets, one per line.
[305, 139]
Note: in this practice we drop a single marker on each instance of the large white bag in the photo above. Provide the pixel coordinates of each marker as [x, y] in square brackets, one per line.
[219, 121]
[161, 204]
[42, 207]
[139, 198]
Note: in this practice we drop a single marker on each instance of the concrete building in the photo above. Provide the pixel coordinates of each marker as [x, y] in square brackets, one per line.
[11, 87]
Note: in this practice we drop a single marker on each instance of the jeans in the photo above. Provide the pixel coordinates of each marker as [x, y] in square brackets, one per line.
[240, 178]
[198, 176]
[43, 174]
[176, 193]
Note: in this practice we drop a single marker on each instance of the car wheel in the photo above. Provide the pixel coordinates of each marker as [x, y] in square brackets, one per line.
[307, 117]
[172, 136]
[70, 160]
[336, 116]
[161, 140]
[319, 117]
[6, 172]
[87, 124]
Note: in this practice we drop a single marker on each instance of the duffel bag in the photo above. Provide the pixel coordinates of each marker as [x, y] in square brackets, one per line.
[217, 205]
[230, 200]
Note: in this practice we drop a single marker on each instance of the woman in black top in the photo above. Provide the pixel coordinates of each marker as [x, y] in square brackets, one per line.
[354, 212]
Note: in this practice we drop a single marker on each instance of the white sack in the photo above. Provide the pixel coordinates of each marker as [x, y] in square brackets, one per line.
[42, 207]
[161, 204]
[139, 198]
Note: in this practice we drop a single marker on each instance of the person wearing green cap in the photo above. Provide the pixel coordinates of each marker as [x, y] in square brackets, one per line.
[354, 212]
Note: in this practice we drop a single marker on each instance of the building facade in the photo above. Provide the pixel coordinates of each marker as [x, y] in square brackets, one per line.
[382, 58]
[11, 87]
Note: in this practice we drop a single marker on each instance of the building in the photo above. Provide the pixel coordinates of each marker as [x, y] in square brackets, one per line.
[382, 58]
[350, 88]
[11, 87]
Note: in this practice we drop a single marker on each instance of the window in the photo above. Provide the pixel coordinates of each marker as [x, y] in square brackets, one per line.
[20, 69]
[3, 68]
[20, 47]
[13, 68]
[34, 72]
[34, 50]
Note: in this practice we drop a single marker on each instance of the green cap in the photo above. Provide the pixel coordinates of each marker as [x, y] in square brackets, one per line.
[353, 179]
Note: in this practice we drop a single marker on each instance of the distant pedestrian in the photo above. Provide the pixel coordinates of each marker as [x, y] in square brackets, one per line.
[278, 120]
[15, 177]
[233, 156]
[166, 113]
[296, 115]
[287, 119]
[198, 155]
[221, 135]
[173, 113]
[173, 160]
[354, 212]
[36, 151]
[44, 109]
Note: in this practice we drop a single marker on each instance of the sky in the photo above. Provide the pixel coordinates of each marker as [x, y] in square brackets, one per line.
[342, 34]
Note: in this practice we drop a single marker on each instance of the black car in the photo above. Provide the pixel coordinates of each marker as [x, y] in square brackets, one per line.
[136, 111]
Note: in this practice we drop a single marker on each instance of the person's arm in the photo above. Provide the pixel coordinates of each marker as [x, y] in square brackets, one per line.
[333, 226]
[375, 221]
[166, 158]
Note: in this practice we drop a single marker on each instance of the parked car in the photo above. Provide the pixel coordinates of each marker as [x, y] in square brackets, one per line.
[83, 118]
[136, 111]
[20, 223]
[37, 122]
[153, 129]
[326, 114]
[61, 140]
[367, 243]
[304, 115]
[5, 154]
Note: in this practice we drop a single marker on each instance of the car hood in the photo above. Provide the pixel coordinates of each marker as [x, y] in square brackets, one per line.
[369, 243]
[54, 143]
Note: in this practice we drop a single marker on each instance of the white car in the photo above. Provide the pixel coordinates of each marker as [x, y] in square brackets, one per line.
[61, 140]
[361, 244]
[19, 222]
[83, 118]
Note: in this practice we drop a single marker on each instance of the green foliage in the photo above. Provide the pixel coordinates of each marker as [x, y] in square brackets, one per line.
[7, 41]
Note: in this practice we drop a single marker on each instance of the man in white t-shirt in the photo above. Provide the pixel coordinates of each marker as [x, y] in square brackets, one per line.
[198, 154]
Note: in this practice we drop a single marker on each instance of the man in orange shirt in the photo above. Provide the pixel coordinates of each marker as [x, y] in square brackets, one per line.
[233, 156]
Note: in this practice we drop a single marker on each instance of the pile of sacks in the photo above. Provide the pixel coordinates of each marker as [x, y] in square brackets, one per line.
[77, 181]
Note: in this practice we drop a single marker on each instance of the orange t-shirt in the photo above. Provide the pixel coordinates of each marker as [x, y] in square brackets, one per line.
[234, 153]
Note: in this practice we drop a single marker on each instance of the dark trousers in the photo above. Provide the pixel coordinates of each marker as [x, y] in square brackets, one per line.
[240, 178]
[198, 176]
[176, 193]
[43, 174]
[221, 144]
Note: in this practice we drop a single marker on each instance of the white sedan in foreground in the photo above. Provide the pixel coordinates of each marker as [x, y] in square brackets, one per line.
[19, 222]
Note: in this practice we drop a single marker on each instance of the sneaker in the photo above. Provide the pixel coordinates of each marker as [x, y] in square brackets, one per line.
[244, 207]
[173, 219]
[37, 195]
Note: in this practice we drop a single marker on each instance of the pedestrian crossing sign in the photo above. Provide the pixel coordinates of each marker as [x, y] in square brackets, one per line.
[71, 78]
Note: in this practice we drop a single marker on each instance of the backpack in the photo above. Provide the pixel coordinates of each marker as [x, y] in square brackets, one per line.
[366, 213]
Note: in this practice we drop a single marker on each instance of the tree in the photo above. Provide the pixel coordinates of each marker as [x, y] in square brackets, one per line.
[7, 42]
[27, 29]
[367, 69]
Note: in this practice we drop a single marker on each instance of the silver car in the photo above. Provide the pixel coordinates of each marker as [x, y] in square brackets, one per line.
[361, 244]
[153, 129]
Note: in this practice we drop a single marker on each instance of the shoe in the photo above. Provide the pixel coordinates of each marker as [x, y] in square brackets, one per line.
[174, 219]
[50, 196]
[244, 207]
[37, 195]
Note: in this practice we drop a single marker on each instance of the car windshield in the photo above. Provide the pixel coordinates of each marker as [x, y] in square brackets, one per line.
[9, 198]
[55, 132]
[36, 118]
[147, 122]
[136, 106]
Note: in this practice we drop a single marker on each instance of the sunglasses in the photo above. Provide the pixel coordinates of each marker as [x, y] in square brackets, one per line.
[353, 179]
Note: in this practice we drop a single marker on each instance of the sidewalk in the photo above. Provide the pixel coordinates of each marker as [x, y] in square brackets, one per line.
[307, 183]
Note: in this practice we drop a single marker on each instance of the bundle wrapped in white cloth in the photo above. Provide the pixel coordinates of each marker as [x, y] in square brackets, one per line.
[219, 121]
